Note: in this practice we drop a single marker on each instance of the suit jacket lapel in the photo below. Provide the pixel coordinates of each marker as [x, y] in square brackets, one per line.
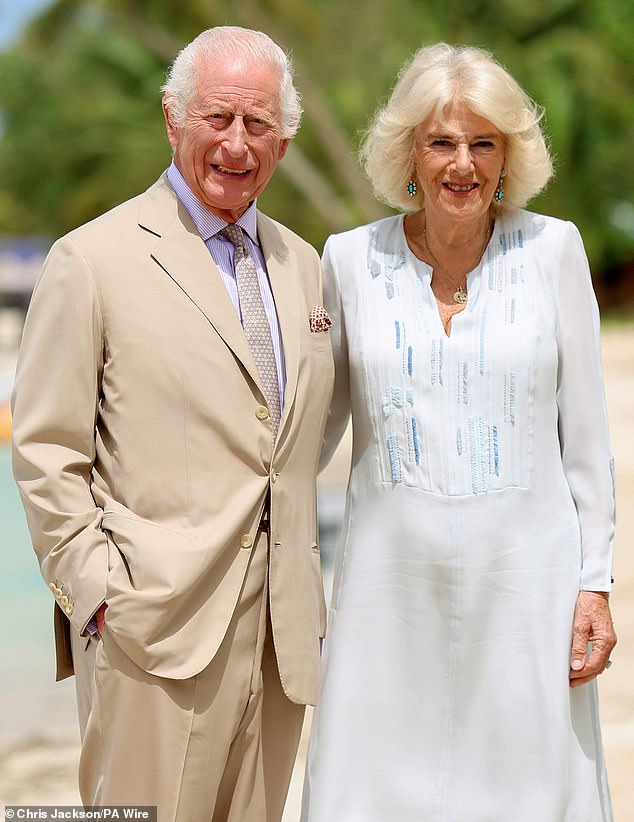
[283, 275]
[184, 257]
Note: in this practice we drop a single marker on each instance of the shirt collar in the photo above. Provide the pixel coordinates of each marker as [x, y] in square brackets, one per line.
[207, 223]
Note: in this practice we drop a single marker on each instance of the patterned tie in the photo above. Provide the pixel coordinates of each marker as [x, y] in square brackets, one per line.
[254, 320]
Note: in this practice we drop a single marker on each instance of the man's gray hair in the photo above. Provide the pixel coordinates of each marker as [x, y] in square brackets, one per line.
[215, 44]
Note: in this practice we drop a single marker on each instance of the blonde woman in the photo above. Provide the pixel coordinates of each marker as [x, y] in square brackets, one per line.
[475, 561]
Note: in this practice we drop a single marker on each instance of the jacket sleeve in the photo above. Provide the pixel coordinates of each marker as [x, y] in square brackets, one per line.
[583, 423]
[339, 412]
[54, 407]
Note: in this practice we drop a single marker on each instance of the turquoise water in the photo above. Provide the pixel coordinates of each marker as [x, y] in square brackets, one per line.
[19, 569]
[32, 702]
[25, 601]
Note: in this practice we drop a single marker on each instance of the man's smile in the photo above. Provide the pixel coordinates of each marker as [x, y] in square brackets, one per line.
[236, 172]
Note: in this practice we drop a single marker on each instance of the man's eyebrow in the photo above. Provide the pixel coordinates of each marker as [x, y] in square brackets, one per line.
[225, 108]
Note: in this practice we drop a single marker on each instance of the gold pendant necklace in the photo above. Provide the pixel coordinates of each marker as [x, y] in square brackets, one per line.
[460, 295]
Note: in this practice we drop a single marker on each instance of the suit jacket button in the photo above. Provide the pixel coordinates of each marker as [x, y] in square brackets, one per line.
[246, 541]
[64, 600]
[69, 609]
[262, 412]
[53, 587]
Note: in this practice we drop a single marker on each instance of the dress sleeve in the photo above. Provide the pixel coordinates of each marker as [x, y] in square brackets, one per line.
[55, 401]
[583, 423]
[340, 405]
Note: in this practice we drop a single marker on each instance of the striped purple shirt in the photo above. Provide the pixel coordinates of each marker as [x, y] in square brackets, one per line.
[221, 250]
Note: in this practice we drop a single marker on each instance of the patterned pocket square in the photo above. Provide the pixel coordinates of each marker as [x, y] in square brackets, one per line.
[319, 320]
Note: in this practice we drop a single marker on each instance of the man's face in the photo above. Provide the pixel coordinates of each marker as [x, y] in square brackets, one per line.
[229, 145]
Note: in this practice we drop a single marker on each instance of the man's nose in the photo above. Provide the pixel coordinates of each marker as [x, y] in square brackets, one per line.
[235, 138]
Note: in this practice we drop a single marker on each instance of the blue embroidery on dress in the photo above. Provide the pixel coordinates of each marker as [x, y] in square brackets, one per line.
[494, 278]
[436, 361]
[406, 367]
[395, 458]
[463, 383]
[491, 279]
[375, 268]
[395, 398]
[410, 441]
[480, 327]
[415, 439]
[478, 455]
[397, 328]
[510, 311]
[514, 239]
[510, 399]
[393, 260]
[459, 441]
[383, 262]
[484, 453]
[389, 285]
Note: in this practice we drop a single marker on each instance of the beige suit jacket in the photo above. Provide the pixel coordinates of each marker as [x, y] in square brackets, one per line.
[142, 447]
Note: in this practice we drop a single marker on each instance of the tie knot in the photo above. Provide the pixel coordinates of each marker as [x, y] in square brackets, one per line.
[234, 234]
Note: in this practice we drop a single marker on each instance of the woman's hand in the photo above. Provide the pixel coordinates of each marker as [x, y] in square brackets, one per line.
[592, 623]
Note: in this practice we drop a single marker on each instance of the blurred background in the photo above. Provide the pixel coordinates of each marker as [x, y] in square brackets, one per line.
[81, 130]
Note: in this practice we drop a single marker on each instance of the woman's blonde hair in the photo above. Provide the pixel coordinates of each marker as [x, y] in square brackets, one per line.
[429, 83]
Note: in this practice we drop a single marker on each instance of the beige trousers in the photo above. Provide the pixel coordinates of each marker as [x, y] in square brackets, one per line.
[218, 747]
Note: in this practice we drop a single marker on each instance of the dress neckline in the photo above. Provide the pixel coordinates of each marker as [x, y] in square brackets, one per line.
[473, 278]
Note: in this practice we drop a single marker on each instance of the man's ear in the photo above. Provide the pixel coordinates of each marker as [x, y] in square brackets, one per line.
[282, 149]
[172, 130]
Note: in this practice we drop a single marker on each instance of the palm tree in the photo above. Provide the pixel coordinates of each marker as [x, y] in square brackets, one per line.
[83, 128]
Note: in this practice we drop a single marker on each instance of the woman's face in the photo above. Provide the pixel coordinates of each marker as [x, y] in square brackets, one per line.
[458, 161]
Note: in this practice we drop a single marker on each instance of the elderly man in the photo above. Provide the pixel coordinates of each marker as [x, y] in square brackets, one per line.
[169, 405]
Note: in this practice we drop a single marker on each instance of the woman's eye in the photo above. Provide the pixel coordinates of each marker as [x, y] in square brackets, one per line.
[442, 143]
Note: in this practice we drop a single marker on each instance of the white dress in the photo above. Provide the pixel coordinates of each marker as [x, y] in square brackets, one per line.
[480, 501]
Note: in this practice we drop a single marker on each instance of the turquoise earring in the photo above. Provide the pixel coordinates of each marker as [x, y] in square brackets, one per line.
[499, 191]
[412, 188]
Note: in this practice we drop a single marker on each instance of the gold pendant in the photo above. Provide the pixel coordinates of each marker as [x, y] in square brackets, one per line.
[460, 296]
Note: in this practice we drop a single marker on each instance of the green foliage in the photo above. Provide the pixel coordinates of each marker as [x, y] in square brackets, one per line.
[83, 129]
